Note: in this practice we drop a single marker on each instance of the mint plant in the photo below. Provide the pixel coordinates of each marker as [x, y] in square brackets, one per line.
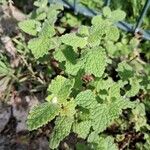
[85, 107]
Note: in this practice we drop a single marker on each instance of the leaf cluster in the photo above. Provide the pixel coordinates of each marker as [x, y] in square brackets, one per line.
[94, 76]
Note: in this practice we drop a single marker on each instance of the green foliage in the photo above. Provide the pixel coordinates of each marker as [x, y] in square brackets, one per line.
[139, 117]
[118, 15]
[103, 114]
[132, 8]
[83, 31]
[82, 128]
[92, 66]
[135, 87]
[106, 144]
[40, 46]
[72, 63]
[29, 26]
[86, 99]
[146, 145]
[45, 39]
[101, 142]
[107, 12]
[96, 78]
[105, 28]
[74, 40]
[60, 88]
[71, 20]
[125, 70]
[61, 130]
[47, 30]
[42, 114]
[41, 3]
[103, 84]
[57, 105]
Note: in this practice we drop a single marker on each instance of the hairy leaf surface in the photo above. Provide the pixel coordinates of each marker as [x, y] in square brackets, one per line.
[29, 26]
[135, 87]
[95, 61]
[61, 130]
[60, 88]
[86, 99]
[82, 128]
[106, 143]
[73, 40]
[42, 114]
[103, 114]
[47, 31]
[40, 46]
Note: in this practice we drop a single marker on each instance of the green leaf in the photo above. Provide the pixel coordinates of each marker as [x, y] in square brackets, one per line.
[125, 71]
[103, 84]
[111, 48]
[59, 53]
[47, 31]
[86, 99]
[60, 88]
[112, 33]
[56, 6]
[40, 46]
[146, 144]
[68, 108]
[95, 61]
[73, 40]
[61, 130]
[97, 20]
[106, 143]
[40, 15]
[53, 11]
[42, 114]
[29, 26]
[106, 12]
[139, 116]
[78, 80]
[67, 54]
[114, 90]
[41, 3]
[93, 137]
[104, 114]
[98, 30]
[94, 38]
[118, 15]
[102, 29]
[71, 20]
[83, 30]
[135, 87]
[73, 69]
[82, 128]
[102, 143]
